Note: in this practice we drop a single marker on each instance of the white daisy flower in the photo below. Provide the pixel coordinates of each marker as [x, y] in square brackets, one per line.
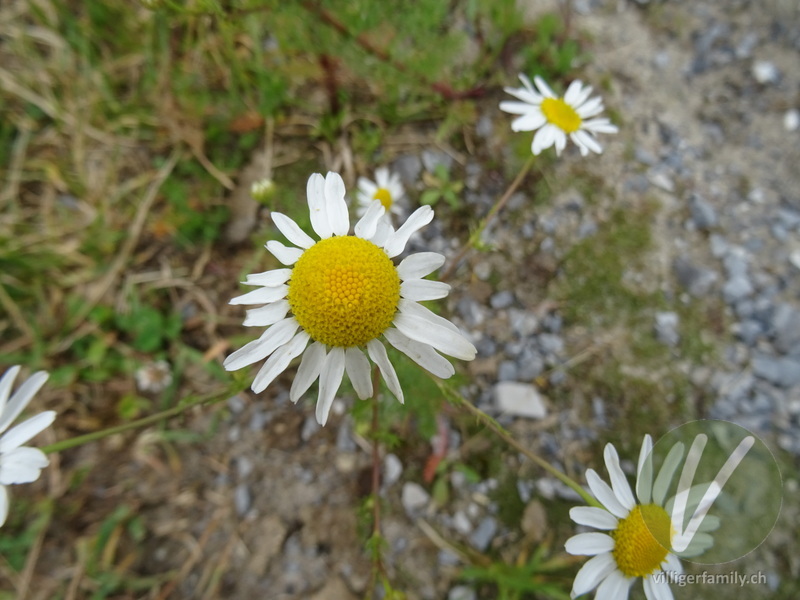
[18, 463]
[556, 117]
[387, 188]
[339, 295]
[640, 537]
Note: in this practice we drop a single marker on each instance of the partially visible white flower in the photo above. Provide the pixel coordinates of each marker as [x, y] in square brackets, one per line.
[386, 188]
[18, 463]
[339, 295]
[556, 117]
[638, 542]
[153, 377]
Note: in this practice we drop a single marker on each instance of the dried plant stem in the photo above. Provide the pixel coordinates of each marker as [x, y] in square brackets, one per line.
[498, 206]
[143, 422]
[500, 432]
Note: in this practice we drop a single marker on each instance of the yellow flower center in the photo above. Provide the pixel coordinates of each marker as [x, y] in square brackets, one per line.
[344, 291]
[642, 540]
[561, 114]
[385, 196]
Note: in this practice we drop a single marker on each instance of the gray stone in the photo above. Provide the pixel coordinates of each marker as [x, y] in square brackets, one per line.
[644, 156]
[486, 346]
[414, 497]
[436, 158]
[483, 534]
[735, 263]
[409, 167]
[242, 499]
[765, 72]
[696, 280]
[392, 470]
[530, 365]
[786, 328]
[519, 399]
[783, 372]
[344, 437]
[502, 299]
[461, 523]
[522, 322]
[507, 371]
[750, 331]
[737, 288]
[667, 328]
[310, 427]
[551, 343]
[236, 404]
[703, 214]
[244, 466]
[462, 592]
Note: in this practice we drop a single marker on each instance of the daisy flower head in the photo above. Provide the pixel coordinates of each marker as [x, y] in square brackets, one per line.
[556, 117]
[640, 535]
[386, 188]
[18, 463]
[339, 295]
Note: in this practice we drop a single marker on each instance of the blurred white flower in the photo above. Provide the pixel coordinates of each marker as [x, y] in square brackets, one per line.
[154, 377]
[18, 463]
[386, 188]
[555, 117]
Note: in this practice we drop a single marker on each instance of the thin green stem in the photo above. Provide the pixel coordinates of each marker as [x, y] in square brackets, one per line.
[143, 422]
[500, 432]
[498, 206]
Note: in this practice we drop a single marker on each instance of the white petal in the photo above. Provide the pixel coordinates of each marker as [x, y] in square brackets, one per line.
[590, 108]
[266, 315]
[589, 544]
[359, 372]
[336, 207]
[544, 138]
[672, 563]
[308, 371]
[586, 141]
[287, 256]
[378, 355]
[423, 289]
[21, 398]
[529, 122]
[441, 338]
[619, 483]
[412, 308]
[666, 473]
[543, 87]
[592, 573]
[419, 265]
[315, 190]
[367, 189]
[273, 338]
[280, 359]
[516, 108]
[599, 126]
[614, 587]
[6, 381]
[422, 354]
[593, 517]
[582, 97]
[644, 471]
[605, 495]
[22, 465]
[271, 278]
[16, 436]
[573, 93]
[368, 224]
[262, 295]
[3, 505]
[527, 96]
[292, 231]
[657, 590]
[559, 141]
[330, 378]
[396, 242]
[382, 232]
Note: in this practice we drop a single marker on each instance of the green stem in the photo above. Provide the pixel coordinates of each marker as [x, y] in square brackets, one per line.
[498, 206]
[498, 430]
[143, 422]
